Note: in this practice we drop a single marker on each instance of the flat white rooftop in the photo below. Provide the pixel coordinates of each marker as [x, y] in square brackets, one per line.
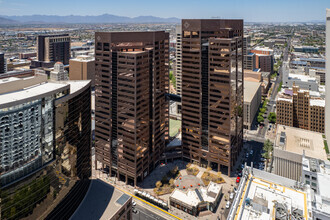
[317, 102]
[263, 49]
[284, 99]
[10, 79]
[250, 90]
[266, 194]
[40, 90]
[191, 198]
[299, 140]
[83, 58]
[302, 78]
[30, 93]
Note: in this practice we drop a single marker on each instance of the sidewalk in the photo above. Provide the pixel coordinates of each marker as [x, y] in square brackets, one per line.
[130, 191]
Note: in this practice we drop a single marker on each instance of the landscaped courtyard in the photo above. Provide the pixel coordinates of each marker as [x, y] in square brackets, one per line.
[179, 175]
[166, 185]
[192, 170]
[207, 177]
[188, 182]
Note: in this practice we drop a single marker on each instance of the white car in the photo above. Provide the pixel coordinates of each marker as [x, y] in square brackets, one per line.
[227, 205]
[134, 203]
[231, 196]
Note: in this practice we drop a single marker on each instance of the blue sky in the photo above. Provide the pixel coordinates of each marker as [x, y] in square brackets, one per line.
[249, 10]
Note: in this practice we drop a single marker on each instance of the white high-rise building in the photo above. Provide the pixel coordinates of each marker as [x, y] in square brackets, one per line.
[327, 78]
[59, 74]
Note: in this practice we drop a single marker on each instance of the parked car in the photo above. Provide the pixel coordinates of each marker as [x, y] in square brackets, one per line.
[135, 211]
[134, 203]
[228, 205]
[238, 179]
[235, 190]
[251, 152]
[231, 196]
[247, 155]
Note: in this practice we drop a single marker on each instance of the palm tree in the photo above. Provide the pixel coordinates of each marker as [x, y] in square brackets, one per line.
[268, 147]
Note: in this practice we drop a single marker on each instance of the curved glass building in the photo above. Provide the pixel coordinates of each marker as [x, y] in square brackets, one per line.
[45, 143]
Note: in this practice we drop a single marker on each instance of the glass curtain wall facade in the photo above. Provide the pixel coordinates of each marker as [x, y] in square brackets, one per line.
[212, 91]
[131, 81]
[52, 152]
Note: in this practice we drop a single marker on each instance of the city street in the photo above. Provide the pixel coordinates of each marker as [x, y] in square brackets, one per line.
[144, 210]
[272, 102]
[251, 154]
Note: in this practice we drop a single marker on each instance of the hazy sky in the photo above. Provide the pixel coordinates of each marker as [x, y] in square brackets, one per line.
[249, 10]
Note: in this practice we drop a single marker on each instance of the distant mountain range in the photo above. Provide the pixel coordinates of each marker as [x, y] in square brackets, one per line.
[105, 18]
[7, 21]
[74, 19]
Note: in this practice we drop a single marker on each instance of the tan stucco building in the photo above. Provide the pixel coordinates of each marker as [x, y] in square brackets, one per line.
[82, 68]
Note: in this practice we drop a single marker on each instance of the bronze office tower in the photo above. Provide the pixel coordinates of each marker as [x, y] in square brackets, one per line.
[131, 112]
[54, 48]
[212, 91]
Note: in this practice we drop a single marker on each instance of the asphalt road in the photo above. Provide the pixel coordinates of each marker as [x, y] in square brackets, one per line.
[248, 158]
[272, 102]
[145, 214]
[257, 151]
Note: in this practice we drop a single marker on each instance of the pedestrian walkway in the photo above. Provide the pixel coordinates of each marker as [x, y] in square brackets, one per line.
[200, 174]
[183, 172]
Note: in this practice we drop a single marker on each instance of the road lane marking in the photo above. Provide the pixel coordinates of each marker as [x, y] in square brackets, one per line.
[142, 200]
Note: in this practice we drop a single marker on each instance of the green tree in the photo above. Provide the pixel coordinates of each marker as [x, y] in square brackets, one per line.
[272, 117]
[268, 148]
[260, 119]
[280, 87]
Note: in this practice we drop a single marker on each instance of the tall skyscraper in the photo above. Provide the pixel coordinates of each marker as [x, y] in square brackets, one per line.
[3, 65]
[54, 48]
[327, 78]
[45, 145]
[131, 113]
[178, 66]
[212, 91]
